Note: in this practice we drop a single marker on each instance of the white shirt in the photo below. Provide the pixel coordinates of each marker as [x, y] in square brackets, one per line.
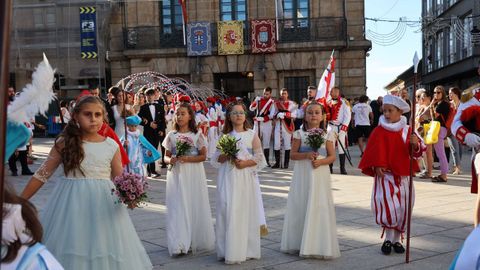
[361, 112]
[151, 106]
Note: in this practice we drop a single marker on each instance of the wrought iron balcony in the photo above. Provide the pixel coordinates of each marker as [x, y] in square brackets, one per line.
[311, 29]
[290, 31]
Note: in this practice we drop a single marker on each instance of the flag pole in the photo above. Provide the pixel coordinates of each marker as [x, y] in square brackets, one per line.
[276, 21]
[410, 183]
[5, 13]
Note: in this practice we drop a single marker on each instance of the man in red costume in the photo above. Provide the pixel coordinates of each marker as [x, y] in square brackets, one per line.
[284, 127]
[466, 127]
[264, 110]
[338, 118]
[387, 159]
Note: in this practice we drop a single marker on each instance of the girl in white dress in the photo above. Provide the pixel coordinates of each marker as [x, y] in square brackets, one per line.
[238, 219]
[189, 218]
[310, 226]
[84, 225]
[120, 111]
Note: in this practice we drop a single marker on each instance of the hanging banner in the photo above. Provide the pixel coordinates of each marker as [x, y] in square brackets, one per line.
[263, 36]
[230, 37]
[199, 39]
[88, 32]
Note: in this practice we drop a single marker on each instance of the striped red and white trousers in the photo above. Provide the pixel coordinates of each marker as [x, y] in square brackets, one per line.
[390, 201]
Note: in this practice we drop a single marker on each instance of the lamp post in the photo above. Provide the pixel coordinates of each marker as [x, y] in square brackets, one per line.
[410, 184]
[5, 13]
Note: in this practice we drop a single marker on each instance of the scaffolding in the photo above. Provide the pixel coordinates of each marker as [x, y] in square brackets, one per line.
[53, 27]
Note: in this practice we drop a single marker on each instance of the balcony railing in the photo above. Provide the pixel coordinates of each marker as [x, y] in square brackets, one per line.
[317, 29]
[289, 30]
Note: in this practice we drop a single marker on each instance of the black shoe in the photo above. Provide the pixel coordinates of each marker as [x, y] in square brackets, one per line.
[343, 171]
[387, 247]
[277, 159]
[266, 153]
[398, 248]
[149, 174]
[14, 174]
[287, 159]
[27, 173]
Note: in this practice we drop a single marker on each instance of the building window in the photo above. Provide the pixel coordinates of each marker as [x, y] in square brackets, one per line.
[297, 88]
[429, 8]
[439, 7]
[429, 53]
[171, 17]
[297, 12]
[44, 17]
[452, 45]
[233, 10]
[440, 50]
[467, 49]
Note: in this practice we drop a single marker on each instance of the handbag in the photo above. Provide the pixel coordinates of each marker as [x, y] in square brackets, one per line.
[432, 130]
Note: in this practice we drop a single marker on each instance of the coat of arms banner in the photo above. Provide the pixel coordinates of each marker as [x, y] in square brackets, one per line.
[263, 36]
[199, 39]
[230, 37]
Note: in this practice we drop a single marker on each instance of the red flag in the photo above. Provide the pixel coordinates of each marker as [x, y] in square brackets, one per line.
[328, 80]
[183, 3]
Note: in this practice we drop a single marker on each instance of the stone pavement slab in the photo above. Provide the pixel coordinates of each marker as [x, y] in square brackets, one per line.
[442, 218]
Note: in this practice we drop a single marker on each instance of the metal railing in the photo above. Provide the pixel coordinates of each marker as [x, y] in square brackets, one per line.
[289, 31]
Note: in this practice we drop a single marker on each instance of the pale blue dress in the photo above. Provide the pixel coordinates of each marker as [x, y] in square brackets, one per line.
[84, 225]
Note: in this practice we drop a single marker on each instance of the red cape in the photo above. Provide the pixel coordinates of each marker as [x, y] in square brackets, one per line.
[388, 150]
[107, 131]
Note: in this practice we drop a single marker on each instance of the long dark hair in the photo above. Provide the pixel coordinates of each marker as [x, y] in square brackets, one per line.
[192, 126]
[32, 223]
[71, 137]
[228, 127]
[304, 122]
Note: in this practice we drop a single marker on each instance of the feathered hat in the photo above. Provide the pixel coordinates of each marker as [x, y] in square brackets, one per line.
[33, 99]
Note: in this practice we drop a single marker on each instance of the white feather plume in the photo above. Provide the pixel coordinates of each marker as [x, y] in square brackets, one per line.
[36, 96]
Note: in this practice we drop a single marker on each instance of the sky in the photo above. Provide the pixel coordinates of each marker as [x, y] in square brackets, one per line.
[385, 63]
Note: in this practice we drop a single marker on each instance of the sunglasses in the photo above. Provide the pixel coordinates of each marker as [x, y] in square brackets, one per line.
[234, 113]
[437, 92]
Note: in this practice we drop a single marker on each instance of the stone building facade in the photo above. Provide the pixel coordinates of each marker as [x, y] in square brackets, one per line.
[147, 36]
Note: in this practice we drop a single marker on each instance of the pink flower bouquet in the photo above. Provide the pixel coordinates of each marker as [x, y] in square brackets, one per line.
[130, 189]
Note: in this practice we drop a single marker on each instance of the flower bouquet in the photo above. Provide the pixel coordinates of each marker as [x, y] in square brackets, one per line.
[315, 138]
[227, 144]
[182, 146]
[130, 189]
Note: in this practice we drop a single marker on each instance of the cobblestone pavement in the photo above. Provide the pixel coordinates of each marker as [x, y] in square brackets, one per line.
[442, 219]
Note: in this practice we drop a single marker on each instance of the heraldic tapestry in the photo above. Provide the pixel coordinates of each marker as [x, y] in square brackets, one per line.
[263, 36]
[199, 39]
[230, 37]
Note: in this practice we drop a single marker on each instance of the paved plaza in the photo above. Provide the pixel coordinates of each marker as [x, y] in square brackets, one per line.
[442, 218]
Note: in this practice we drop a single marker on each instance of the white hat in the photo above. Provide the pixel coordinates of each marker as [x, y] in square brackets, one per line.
[397, 102]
